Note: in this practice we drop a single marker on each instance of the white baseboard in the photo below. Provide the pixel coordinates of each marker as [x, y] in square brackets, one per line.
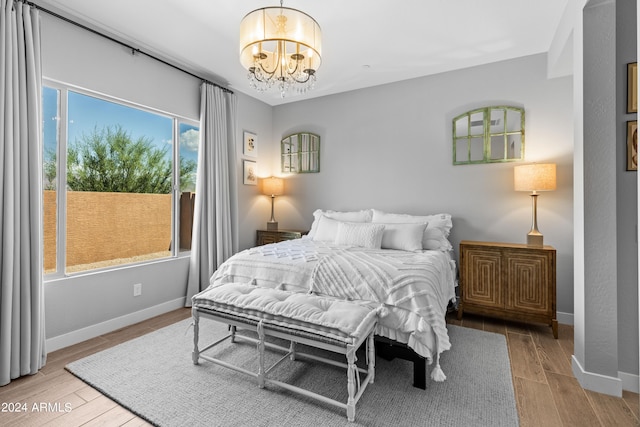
[564, 318]
[630, 382]
[596, 382]
[75, 337]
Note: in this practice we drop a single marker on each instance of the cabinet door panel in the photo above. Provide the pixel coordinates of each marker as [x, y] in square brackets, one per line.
[482, 278]
[527, 279]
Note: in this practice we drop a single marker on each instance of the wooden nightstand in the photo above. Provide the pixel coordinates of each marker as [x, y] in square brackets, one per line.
[510, 281]
[265, 236]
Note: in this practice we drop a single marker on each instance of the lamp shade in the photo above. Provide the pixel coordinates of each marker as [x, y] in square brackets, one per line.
[535, 177]
[273, 186]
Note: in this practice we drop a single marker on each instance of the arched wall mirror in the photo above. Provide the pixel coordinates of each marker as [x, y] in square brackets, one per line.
[489, 135]
[300, 153]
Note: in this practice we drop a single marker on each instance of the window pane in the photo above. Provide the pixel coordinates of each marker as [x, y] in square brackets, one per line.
[51, 136]
[498, 147]
[189, 139]
[119, 182]
[462, 150]
[476, 147]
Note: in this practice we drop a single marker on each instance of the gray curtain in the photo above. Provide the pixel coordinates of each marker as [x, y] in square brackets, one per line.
[22, 334]
[215, 218]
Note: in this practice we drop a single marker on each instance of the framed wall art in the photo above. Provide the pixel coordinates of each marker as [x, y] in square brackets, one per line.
[632, 145]
[250, 173]
[632, 87]
[250, 147]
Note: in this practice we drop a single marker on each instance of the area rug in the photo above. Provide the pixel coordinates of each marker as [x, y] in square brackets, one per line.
[153, 376]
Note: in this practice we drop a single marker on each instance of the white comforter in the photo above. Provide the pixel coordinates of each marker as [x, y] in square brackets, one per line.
[415, 287]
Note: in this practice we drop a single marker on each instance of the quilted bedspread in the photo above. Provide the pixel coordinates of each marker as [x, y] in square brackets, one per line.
[415, 287]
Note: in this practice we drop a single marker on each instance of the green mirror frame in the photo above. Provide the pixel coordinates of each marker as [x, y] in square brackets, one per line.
[489, 135]
[300, 153]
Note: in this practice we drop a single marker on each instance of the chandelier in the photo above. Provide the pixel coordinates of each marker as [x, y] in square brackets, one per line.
[280, 47]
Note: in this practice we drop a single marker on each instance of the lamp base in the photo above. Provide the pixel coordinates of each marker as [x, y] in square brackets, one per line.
[272, 226]
[535, 239]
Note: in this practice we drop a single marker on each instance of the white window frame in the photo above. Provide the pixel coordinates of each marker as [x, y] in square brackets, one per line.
[61, 176]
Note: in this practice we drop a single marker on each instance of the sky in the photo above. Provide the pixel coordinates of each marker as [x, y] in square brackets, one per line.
[86, 113]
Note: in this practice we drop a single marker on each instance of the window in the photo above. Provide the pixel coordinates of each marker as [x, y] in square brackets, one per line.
[114, 182]
[489, 135]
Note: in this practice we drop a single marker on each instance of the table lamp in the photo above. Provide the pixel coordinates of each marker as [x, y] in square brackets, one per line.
[272, 186]
[535, 177]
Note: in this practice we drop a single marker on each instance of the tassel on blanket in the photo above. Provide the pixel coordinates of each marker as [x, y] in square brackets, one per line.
[437, 375]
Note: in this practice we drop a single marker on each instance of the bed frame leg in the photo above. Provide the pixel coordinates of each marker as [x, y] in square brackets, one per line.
[195, 356]
[420, 373]
[232, 330]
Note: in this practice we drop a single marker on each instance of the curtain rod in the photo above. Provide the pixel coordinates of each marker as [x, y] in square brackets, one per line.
[133, 49]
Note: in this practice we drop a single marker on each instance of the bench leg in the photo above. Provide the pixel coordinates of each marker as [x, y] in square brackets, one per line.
[261, 374]
[371, 350]
[352, 369]
[195, 356]
[292, 350]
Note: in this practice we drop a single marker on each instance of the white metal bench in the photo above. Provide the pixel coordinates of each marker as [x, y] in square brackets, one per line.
[321, 322]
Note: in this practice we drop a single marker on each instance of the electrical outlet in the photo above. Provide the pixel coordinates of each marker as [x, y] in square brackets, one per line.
[137, 289]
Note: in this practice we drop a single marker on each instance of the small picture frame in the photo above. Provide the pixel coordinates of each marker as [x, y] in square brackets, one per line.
[632, 145]
[632, 87]
[250, 172]
[250, 146]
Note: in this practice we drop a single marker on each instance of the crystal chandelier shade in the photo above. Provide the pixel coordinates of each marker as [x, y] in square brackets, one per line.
[280, 47]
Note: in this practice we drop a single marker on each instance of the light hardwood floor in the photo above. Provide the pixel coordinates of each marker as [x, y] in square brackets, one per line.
[546, 392]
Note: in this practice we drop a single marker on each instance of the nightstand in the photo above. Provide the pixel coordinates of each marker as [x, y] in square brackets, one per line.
[273, 236]
[509, 281]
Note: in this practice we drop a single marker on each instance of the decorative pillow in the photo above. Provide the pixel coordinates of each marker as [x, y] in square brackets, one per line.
[365, 235]
[435, 234]
[353, 216]
[404, 237]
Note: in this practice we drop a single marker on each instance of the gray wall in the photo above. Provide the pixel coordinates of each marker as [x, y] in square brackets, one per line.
[390, 147]
[626, 194]
[605, 334]
[254, 207]
[600, 268]
[85, 305]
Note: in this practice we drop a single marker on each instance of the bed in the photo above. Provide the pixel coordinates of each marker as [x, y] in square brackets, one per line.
[402, 262]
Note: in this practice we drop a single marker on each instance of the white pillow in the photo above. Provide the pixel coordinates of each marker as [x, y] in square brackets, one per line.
[365, 235]
[353, 216]
[435, 234]
[404, 237]
[326, 229]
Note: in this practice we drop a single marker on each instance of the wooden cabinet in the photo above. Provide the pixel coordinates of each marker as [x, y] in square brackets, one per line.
[264, 236]
[510, 281]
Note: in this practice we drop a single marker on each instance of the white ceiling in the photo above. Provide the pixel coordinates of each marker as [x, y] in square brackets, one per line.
[364, 42]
